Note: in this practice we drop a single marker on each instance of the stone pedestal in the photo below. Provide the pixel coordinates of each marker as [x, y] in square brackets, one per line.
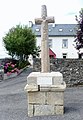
[45, 93]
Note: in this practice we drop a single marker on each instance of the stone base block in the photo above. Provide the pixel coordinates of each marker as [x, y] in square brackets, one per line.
[59, 110]
[41, 110]
[45, 103]
[52, 78]
[49, 98]
[44, 96]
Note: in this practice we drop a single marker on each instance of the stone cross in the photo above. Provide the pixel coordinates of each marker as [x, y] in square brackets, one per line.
[44, 20]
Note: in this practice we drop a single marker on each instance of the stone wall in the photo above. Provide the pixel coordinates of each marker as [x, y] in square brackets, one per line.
[72, 69]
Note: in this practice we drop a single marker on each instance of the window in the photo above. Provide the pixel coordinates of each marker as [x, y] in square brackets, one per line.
[50, 43]
[37, 29]
[65, 43]
[71, 30]
[64, 55]
[60, 29]
[50, 30]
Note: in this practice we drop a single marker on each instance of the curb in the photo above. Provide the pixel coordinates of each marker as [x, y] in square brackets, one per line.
[14, 74]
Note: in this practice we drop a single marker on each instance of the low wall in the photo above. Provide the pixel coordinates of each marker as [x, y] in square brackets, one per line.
[72, 69]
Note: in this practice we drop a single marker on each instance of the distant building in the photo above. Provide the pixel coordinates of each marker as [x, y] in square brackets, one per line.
[61, 39]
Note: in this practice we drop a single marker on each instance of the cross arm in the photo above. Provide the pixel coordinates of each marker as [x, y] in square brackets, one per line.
[50, 19]
[38, 21]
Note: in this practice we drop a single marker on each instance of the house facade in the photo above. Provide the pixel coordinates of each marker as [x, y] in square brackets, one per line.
[61, 39]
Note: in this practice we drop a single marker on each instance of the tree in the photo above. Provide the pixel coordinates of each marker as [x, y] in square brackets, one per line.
[79, 34]
[20, 42]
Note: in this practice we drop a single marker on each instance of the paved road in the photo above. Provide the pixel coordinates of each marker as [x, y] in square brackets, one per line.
[13, 101]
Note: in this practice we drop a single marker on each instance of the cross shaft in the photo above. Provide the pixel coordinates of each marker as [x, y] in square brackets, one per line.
[44, 20]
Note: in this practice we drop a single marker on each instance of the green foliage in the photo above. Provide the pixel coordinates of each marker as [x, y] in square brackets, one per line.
[36, 52]
[23, 64]
[79, 34]
[20, 42]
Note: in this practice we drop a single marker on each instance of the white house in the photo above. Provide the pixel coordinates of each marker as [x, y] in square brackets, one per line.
[61, 39]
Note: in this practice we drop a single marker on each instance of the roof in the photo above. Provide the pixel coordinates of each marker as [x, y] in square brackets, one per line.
[56, 29]
[51, 53]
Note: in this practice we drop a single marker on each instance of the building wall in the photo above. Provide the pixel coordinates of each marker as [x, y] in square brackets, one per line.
[59, 50]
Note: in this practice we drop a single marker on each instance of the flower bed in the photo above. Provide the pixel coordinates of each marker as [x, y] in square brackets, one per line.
[10, 68]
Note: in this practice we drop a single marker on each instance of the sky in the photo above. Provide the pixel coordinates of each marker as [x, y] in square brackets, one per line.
[14, 12]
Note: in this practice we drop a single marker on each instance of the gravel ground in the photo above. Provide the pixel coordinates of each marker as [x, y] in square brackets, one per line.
[13, 101]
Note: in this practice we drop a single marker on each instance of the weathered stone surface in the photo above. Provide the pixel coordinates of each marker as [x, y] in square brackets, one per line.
[44, 95]
[36, 97]
[55, 98]
[32, 80]
[53, 88]
[57, 80]
[44, 20]
[52, 78]
[44, 80]
[43, 110]
[30, 110]
[59, 110]
[30, 88]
